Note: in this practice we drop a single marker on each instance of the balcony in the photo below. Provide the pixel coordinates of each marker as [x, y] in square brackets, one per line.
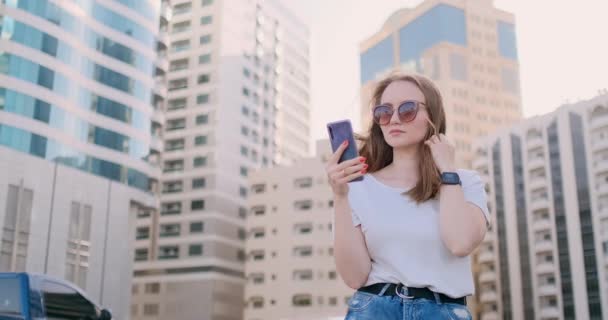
[480, 163]
[486, 256]
[156, 143]
[540, 203]
[487, 276]
[166, 13]
[550, 312]
[599, 145]
[538, 162]
[545, 267]
[538, 182]
[602, 189]
[543, 246]
[600, 166]
[599, 121]
[488, 296]
[535, 141]
[547, 290]
[160, 86]
[492, 315]
[542, 224]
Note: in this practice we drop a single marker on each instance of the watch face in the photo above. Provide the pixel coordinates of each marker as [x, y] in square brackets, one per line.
[450, 178]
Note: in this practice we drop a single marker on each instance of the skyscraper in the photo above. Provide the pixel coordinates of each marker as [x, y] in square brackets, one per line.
[238, 99]
[467, 47]
[547, 183]
[80, 128]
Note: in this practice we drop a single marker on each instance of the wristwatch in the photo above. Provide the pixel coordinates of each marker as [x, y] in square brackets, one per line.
[450, 178]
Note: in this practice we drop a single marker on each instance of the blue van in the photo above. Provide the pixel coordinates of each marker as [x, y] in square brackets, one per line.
[25, 296]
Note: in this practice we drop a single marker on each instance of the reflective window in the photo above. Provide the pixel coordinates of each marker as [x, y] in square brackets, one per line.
[34, 38]
[442, 23]
[458, 67]
[507, 46]
[376, 59]
[58, 118]
[62, 302]
[42, 147]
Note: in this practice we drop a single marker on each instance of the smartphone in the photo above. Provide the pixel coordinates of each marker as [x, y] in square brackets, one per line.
[338, 132]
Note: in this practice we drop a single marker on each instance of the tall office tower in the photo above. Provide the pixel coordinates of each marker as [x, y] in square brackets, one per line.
[547, 182]
[467, 47]
[79, 138]
[238, 100]
[290, 268]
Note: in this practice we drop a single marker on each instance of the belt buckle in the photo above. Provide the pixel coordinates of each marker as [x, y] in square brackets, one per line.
[402, 296]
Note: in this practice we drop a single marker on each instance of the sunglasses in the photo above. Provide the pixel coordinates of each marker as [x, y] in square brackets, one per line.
[407, 112]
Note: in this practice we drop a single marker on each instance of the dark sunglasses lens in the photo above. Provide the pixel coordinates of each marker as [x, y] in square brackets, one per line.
[407, 111]
[383, 114]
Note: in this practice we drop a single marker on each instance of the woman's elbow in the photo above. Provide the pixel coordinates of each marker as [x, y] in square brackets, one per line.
[460, 250]
[356, 283]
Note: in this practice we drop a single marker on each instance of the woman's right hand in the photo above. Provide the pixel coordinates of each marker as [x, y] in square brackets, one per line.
[339, 174]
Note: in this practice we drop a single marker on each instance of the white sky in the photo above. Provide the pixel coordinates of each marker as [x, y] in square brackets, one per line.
[562, 48]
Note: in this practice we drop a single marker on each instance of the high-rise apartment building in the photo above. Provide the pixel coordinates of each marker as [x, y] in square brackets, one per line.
[467, 47]
[547, 181]
[238, 99]
[290, 269]
[81, 89]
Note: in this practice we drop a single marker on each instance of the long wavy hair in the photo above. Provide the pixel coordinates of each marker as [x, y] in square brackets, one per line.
[379, 154]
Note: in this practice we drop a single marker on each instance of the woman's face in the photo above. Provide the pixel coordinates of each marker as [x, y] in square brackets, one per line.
[404, 134]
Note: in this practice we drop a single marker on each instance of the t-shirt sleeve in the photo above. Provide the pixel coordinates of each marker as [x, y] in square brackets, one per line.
[475, 192]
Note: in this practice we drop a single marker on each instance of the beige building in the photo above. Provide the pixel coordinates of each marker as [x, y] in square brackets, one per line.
[547, 180]
[467, 47]
[290, 267]
[237, 100]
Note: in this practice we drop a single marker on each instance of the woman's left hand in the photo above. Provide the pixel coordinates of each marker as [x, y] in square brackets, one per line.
[443, 152]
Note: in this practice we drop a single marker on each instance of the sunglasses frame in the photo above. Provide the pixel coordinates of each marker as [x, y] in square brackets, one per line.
[416, 108]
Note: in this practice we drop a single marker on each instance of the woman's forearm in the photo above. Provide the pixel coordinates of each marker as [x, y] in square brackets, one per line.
[461, 224]
[350, 251]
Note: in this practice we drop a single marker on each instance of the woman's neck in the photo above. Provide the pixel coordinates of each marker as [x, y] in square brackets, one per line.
[405, 164]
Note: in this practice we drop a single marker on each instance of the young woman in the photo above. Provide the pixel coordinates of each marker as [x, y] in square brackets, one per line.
[403, 235]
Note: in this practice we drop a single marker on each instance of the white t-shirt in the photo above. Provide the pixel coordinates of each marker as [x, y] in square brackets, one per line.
[403, 238]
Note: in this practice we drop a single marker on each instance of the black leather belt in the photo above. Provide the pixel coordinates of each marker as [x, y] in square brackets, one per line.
[412, 293]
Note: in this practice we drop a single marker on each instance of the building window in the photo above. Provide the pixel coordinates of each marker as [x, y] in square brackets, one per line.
[302, 251]
[152, 288]
[244, 171]
[333, 301]
[205, 3]
[258, 188]
[202, 99]
[195, 250]
[182, 8]
[169, 230]
[141, 254]
[179, 46]
[178, 65]
[199, 162]
[197, 227]
[150, 309]
[204, 58]
[142, 233]
[170, 208]
[257, 302]
[244, 151]
[78, 244]
[258, 210]
[205, 39]
[245, 111]
[198, 183]
[303, 205]
[331, 275]
[200, 140]
[175, 144]
[303, 228]
[172, 186]
[206, 20]
[246, 92]
[244, 131]
[181, 27]
[257, 278]
[243, 191]
[176, 124]
[302, 300]
[176, 104]
[168, 252]
[302, 275]
[258, 233]
[246, 72]
[197, 205]
[173, 165]
[202, 119]
[302, 183]
[203, 78]
[257, 255]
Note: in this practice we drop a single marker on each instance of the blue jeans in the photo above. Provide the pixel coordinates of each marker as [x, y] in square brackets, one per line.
[367, 306]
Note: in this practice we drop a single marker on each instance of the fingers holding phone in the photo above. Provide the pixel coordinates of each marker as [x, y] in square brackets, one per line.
[339, 174]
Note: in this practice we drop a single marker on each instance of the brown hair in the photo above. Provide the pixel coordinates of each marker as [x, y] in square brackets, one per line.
[379, 154]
